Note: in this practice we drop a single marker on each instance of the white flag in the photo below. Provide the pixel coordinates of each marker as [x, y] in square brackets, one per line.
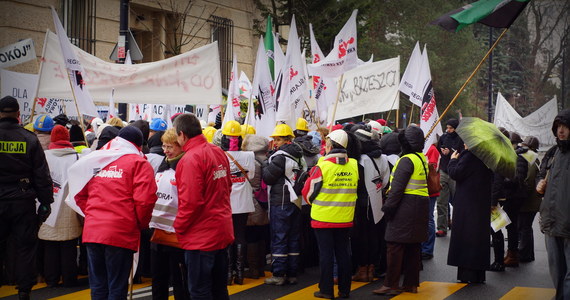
[343, 56]
[278, 57]
[294, 92]
[112, 112]
[428, 109]
[74, 69]
[232, 109]
[409, 81]
[263, 89]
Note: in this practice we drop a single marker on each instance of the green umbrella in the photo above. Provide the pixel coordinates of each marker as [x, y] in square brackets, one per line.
[486, 142]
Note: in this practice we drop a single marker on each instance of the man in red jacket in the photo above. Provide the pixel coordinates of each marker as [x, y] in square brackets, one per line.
[204, 220]
[117, 202]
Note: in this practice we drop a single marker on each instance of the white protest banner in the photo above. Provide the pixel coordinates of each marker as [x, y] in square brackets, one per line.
[369, 88]
[151, 111]
[428, 109]
[202, 112]
[189, 78]
[537, 124]
[21, 86]
[409, 81]
[17, 53]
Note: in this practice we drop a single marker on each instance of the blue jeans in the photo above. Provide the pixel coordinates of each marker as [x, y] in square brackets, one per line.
[558, 250]
[427, 246]
[109, 269]
[207, 274]
[334, 244]
[285, 223]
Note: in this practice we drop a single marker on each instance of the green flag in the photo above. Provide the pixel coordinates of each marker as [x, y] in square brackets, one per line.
[268, 40]
[494, 13]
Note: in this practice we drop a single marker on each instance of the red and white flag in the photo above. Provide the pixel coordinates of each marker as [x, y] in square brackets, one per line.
[294, 91]
[428, 109]
[232, 108]
[343, 56]
[324, 88]
[75, 71]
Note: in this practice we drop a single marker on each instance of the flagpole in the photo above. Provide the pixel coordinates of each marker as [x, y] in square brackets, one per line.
[397, 117]
[39, 77]
[411, 114]
[392, 108]
[79, 115]
[466, 82]
[336, 102]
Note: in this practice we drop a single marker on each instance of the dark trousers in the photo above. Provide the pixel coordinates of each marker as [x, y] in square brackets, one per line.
[284, 221]
[406, 259]
[239, 221]
[428, 246]
[207, 274]
[526, 236]
[167, 265]
[308, 241]
[109, 269]
[60, 261]
[334, 243]
[364, 237]
[19, 221]
[512, 208]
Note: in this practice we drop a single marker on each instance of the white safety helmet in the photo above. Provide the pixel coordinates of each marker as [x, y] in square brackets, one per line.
[376, 126]
[339, 136]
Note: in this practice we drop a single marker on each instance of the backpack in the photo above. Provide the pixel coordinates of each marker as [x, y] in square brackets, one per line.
[299, 180]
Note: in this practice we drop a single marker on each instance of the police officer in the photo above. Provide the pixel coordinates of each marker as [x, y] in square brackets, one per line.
[24, 176]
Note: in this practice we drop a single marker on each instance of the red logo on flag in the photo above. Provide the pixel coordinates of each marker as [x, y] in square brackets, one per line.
[292, 73]
[42, 101]
[343, 47]
[316, 58]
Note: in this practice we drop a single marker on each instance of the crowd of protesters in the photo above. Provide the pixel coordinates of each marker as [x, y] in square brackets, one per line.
[209, 205]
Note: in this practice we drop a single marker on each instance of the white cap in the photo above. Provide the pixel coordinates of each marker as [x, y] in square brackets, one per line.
[339, 136]
[376, 126]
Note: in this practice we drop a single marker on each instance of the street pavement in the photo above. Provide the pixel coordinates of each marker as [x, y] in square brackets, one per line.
[438, 281]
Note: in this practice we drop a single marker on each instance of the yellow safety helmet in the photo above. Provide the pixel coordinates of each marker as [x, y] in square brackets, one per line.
[232, 128]
[209, 133]
[247, 129]
[302, 124]
[30, 127]
[282, 130]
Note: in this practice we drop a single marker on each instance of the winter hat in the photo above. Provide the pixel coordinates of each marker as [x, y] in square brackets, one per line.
[316, 138]
[132, 134]
[336, 127]
[382, 122]
[453, 123]
[255, 143]
[76, 134]
[365, 136]
[59, 133]
[61, 119]
[9, 104]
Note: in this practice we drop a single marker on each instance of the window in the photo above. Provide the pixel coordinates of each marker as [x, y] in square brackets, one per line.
[79, 21]
[222, 30]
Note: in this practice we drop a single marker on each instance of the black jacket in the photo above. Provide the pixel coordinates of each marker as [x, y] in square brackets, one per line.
[274, 174]
[451, 141]
[24, 172]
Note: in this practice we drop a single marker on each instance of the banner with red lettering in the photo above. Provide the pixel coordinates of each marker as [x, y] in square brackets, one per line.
[189, 78]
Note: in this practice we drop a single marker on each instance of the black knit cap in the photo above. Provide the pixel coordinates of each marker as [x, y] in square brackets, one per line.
[132, 134]
[453, 123]
[9, 104]
[76, 134]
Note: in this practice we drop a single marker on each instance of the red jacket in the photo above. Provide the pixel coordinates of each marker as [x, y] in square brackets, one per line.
[433, 159]
[204, 218]
[118, 202]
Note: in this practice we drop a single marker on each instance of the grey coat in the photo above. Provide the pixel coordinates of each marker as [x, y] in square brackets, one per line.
[555, 207]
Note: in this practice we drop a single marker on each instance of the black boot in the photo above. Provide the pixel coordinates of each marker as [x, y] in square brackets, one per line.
[240, 262]
[261, 258]
[230, 252]
[252, 261]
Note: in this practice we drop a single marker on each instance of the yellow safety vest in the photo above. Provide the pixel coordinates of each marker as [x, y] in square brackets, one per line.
[337, 198]
[417, 185]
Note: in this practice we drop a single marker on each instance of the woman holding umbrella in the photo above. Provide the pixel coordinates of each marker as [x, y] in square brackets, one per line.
[486, 150]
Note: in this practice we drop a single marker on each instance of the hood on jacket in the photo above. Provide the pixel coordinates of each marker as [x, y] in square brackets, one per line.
[306, 143]
[389, 144]
[293, 149]
[411, 139]
[155, 143]
[563, 117]
[108, 133]
[255, 143]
